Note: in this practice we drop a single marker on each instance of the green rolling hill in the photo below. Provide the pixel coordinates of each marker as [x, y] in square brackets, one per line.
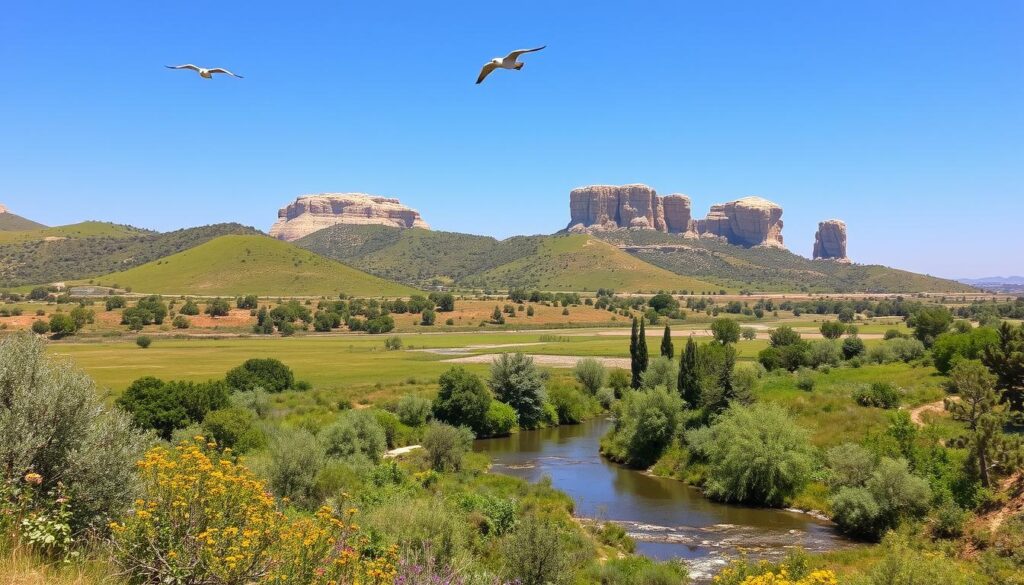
[423, 257]
[632, 260]
[98, 249]
[10, 222]
[250, 264]
[770, 269]
[85, 229]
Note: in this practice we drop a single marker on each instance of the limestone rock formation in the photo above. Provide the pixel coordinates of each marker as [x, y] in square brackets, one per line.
[609, 207]
[830, 241]
[751, 221]
[310, 213]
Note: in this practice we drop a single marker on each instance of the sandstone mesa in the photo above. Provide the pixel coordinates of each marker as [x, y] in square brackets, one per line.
[310, 213]
[751, 221]
[830, 241]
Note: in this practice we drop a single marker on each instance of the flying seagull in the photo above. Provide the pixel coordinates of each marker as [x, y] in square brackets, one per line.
[508, 62]
[204, 73]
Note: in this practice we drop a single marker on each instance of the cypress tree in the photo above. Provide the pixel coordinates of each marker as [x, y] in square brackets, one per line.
[634, 363]
[667, 350]
[641, 349]
[689, 378]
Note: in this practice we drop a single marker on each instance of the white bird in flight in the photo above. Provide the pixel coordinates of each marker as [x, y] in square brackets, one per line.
[508, 62]
[204, 73]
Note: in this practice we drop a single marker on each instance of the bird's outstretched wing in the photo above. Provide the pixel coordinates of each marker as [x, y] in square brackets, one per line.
[185, 66]
[486, 71]
[222, 70]
[515, 54]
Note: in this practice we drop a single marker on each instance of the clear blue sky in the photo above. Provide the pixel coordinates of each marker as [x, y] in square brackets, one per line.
[906, 118]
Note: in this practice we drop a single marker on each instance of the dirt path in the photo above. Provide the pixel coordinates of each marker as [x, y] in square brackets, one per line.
[918, 414]
[401, 451]
[555, 361]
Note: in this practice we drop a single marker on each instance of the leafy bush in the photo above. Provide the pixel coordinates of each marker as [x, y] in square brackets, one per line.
[660, 373]
[40, 327]
[824, 352]
[393, 343]
[590, 374]
[879, 395]
[889, 496]
[542, 550]
[234, 428]
[218, 307]
[413, 410]
[295, 459]
[90, 452]
[619, 381]
[805, 380]
[849, 465]
[906, 350]
[143, 341]
[755, 455]
[725, 330]
[445, 446]
[645, 423]
[166, 406]
[355, 433]
[571, 404]
[189, 308]
[266, 373]
[462, 400]
[853, 346]
[180, 322]
[501, 419]
[606, 398]
[516, 381]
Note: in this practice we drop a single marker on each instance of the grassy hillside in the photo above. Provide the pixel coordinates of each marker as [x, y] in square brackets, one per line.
[585, 263]
[769, 269]
[85, 229]
[107, 249]
[10, 222]
[417, 256]
[240, 264]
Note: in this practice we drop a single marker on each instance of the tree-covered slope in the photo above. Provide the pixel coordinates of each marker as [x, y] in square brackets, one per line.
[90, 249]
[250, 264]
[416, 256]
[769, 269]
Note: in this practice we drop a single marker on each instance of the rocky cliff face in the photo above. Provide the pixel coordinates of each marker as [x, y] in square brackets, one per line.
[751, 221]
[310, 213]
[830, 241]
[609, 207]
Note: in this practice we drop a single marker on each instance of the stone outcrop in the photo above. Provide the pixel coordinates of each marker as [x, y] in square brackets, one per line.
[751, 221]
[609, 207]
[310, 213]
[830, 241]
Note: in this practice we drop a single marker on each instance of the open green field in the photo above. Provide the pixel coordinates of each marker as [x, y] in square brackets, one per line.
[251, 264]
[357, 368]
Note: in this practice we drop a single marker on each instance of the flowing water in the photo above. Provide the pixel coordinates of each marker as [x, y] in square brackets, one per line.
[667, 518]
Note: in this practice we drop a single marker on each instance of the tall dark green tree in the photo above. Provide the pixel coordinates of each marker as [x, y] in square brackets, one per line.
[634, 348]
[1005, 359]
[642, 357]
[689, 376]
[667, 349]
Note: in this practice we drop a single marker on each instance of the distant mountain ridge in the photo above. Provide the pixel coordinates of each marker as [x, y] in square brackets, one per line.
[10, 222]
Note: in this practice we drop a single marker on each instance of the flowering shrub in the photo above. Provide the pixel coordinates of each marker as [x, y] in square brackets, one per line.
[820, 577]
[38, 519]
[794, 570]
[204, 519]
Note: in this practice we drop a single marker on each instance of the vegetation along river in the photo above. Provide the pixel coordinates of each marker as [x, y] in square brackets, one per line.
[667, 518]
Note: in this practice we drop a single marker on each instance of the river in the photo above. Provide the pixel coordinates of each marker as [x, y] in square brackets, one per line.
[667, 518]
